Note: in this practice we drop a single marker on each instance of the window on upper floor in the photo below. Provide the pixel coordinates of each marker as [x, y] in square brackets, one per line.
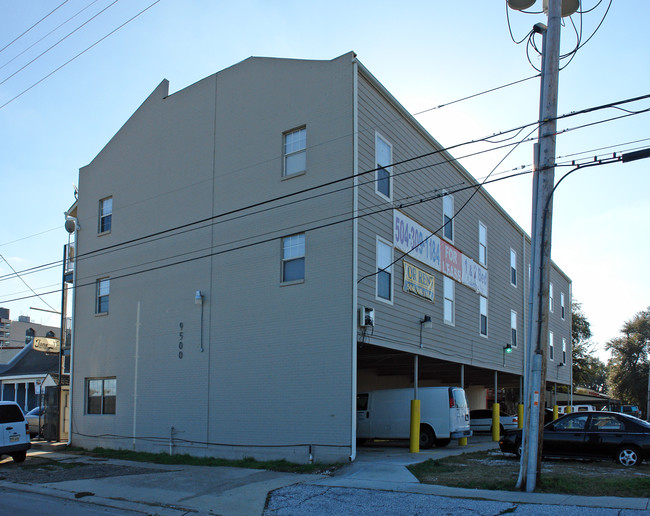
[483, 324]
[482, 244]
[551, 301]
[513, 328]
[384, 270]
[551, 346]
[513, 267]
[449, 308]
[105, 215]
[383, 165]
[293, 258]
[295, 152]
[101, 394]
[564, 351]
[103, 290]
[562, 309]
[448, 216]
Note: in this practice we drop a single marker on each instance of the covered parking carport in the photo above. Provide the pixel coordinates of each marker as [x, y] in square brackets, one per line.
[381, 367]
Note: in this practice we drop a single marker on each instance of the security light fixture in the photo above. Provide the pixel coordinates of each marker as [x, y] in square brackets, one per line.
[427, 322]
[198, 298]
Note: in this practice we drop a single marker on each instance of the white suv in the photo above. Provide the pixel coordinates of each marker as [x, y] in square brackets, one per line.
[14, 431]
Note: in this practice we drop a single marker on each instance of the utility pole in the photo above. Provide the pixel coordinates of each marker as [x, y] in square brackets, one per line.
[538, 309]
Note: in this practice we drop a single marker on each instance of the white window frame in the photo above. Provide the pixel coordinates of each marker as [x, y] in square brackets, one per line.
[448, 213]
[551, 301]
[449, 294]
[513, 267]
[105, 217]
[551, 347]
[293, 243]
[563, 350]
[482, 244]
[513, 328]
[100, 284]
[380, 264]
[293, 148]
[483, 315]
[380, 165]
[562, 306]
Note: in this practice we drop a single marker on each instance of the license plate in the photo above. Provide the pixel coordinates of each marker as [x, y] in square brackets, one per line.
[14, 438]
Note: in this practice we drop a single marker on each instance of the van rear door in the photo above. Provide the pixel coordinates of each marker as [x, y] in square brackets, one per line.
[458, 413]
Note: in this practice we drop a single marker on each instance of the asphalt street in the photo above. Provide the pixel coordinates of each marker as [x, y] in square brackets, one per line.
[315, 500]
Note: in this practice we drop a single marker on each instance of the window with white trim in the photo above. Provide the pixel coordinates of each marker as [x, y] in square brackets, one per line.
[562, 310]
[551, 302]
[564, 351]
[449, 300]
[482, 244]
[103, 290]
[513, 267]
[483, 323]
[295, 152]
[513, 328]
[293, 258]
[383, 165]
[448, 216]
[384, 271]
[551, 346]
[101, 394]
[105, 215]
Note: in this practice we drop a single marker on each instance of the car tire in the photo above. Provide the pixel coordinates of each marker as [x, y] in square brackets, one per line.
[427, 437]
[19, 456]
[520, 449]
[628, 456]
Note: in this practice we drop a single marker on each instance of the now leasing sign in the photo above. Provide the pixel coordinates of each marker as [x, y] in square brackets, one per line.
[418, 282]
[422, 245]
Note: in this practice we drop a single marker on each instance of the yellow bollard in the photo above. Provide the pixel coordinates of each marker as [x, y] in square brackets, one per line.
[568, 409]
[414, 445]
[520, 415]
[556, 412]
[495, 422]
[462, 441]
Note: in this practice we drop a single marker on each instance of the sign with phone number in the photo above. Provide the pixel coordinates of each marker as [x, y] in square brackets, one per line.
[423, 245]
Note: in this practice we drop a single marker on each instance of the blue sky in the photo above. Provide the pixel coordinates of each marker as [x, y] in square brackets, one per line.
[427, 53]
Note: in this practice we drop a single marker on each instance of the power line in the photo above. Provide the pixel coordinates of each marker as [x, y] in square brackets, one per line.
[39, 21]
[152, 237]
[53, 30]
[78, 55]
[21, 279]
[58, 42]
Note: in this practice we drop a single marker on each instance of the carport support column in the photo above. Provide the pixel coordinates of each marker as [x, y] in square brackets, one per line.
[496, 423]
[414, 444]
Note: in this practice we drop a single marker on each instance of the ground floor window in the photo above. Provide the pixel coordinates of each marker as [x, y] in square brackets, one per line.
[101, 393]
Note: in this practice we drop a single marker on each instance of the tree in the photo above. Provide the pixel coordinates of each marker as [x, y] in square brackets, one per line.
[628, 367]
[588, 370]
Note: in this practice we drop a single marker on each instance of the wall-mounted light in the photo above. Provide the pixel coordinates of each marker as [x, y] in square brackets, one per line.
[426, 322]
[198, 298]
[507, 349]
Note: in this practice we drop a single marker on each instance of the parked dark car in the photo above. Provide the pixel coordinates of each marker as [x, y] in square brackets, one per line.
[624, 438]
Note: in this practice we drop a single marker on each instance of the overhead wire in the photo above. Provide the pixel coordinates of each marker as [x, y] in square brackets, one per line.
[78, 55]
[46, 35]
[151, 237]
[30, 28]
[58, 42]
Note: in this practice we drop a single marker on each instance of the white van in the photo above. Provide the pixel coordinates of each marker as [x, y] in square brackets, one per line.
[576, 408]
[386, 414]
[14, 432]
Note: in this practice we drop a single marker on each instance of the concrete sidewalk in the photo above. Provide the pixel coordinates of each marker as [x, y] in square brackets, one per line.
[174, 489]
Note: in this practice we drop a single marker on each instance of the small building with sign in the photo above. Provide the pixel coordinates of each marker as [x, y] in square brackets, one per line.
[272, 240]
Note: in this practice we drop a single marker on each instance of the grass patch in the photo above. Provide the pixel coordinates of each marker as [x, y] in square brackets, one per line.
[189, 460]
[495, 471]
